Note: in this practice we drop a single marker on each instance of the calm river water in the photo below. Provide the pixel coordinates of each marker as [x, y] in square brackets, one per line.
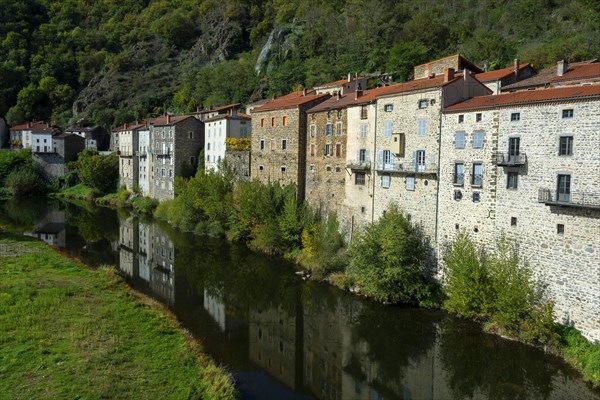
[283, 338]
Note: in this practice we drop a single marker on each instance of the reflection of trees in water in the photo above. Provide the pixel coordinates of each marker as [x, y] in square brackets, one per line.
[23, 213]
[395, 337]
[93, 223]
[479, 362]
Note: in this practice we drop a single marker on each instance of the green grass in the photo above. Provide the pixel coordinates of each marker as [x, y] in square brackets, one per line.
[67, 331]
[78, 191]
[578, 351]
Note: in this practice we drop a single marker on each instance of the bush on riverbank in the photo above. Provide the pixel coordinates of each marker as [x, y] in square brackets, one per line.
[498, 289]
[71, 332]
[578, 351]
[25, 182]
[387, 260]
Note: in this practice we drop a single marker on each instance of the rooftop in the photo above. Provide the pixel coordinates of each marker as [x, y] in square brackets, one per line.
[500, 73]
[290, 101]
[548, 76]
[527, 97]
[38, 126]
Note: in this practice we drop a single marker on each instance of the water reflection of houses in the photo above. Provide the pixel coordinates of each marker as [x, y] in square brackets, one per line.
[147, 253]
[51, 229]
[276, 343]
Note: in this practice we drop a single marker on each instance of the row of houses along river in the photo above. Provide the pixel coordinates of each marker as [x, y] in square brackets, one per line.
[284, 338]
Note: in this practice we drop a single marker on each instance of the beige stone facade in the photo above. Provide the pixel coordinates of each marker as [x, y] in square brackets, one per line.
[279, 140]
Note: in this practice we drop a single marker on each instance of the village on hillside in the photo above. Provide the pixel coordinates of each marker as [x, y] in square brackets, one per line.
[507, 153]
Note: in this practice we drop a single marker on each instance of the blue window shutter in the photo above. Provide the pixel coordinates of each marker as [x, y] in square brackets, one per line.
[379, 156]
[358, 155]
[367, 159]
[414, 160]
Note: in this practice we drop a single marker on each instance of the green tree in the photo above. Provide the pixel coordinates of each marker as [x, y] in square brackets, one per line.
[98, 172]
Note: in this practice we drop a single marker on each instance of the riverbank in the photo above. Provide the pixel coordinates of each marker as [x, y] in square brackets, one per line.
[71, 332]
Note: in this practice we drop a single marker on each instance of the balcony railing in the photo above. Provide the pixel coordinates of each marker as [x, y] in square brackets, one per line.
[571, 199]
[142, 153]
[160, 153]
[389, 167]
[358, 165]
[510, 160]
[420, 169]
[458, 179]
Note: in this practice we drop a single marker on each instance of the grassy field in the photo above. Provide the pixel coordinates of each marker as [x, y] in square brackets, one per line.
[67, 331]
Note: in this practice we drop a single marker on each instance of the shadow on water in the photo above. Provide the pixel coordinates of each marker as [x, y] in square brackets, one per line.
[283, 338]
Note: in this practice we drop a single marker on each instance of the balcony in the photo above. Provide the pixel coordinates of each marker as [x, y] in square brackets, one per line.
[510, 160]
[357, 165]
[573, 199]
[141, 154]
[159, 153]
[420, 169]
[389, 167]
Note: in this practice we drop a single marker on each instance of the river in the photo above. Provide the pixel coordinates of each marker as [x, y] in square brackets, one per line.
[284, 338]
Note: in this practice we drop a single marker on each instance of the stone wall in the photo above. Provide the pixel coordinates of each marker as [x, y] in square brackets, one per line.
[239, 162]
[326, 173]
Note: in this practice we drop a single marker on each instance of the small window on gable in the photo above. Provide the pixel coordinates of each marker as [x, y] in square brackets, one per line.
[515, 116]
[273, 121]
[461, 118]
[339, 113]
[388, 108]
[284, 120]
[560, 229]
[423, 103]
[478, 117]
[568, 113]
[364, 112]
[262, 122]
[190, 134]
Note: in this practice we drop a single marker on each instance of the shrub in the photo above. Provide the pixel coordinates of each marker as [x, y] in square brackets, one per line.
[323, 246]
[97, 172]
[387, 260]
[25, 182]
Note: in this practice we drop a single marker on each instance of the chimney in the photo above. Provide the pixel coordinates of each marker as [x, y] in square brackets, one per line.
[561, 68]
[448, 74]
[358, 94]
[465, 73]
[338, 95]
[303, 92]
[126, 125]
[517, 65]
[29, 124]
[274, 96]
[349, 76]
[198, 109]
[168, 119]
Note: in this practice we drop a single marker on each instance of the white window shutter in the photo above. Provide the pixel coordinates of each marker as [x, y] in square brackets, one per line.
[367, 159]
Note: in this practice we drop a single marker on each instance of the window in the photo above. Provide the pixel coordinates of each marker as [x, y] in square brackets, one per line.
[422, 127]
[560, 229]
[423, 103]
[364, 129]
[190, 134]
[514, 149]
[170, 173]
[386, 159]
[338, 128]
[273, 121]
[565, 147]
[273, 144]
[388, 108]
[339, 113]
[567, 113]
[262, 122]
[477, 175]
[363, 156]
[208, 146]
[459, 140]
[410, 182]
[283, 168]
[262, 144]
[478, 139]
[478, 117]
[329, 114]
[563, 192]
[328, 149]
[459, 174]
[385, 181]
[312, 168]
[476, 197]
[163, 172]
[338, 150]
[312, 150]
[284, 144]
[512, 180]
[515, 116]
[457, 197]
[359, 178]
[313, 130]
[420, 160]
[364, 112]
[513, 221]
[387, 128]
[261, 168]
[284, 120]
[461, 118]
[328, 130]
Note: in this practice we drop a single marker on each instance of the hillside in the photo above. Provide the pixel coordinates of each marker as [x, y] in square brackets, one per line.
[110, 62]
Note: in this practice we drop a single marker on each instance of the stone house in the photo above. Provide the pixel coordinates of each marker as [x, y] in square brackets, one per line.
[343, 86]
[407, 151]
[326, 153]
[141, 152]
[223, 123]
[128, 164]
[21, 136]
[438, 67]
[543, 178]
[96, 137]
[500, 78]
[175, 144]
[52, 161]
[278, 149]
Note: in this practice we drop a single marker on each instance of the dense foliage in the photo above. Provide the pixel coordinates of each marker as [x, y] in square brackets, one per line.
[388, 258]
[18, 174]
[97, 172]
[497, 288]
[112, 61]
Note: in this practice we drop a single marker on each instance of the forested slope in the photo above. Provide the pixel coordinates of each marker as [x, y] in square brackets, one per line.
[113, 61]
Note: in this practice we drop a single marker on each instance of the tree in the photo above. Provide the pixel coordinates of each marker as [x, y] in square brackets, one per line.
[98, 172]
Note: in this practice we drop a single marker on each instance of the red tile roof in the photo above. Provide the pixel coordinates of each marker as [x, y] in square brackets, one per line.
[580, 71]
[35, 126]
[290, 101]
[499, 73]
[528, 97]
[209, 110]
[338, 82]
[548, 77]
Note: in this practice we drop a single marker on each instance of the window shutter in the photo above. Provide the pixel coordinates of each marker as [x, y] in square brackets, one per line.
[414, 160]
[367, 156]
[358, 156]
[379, 156]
